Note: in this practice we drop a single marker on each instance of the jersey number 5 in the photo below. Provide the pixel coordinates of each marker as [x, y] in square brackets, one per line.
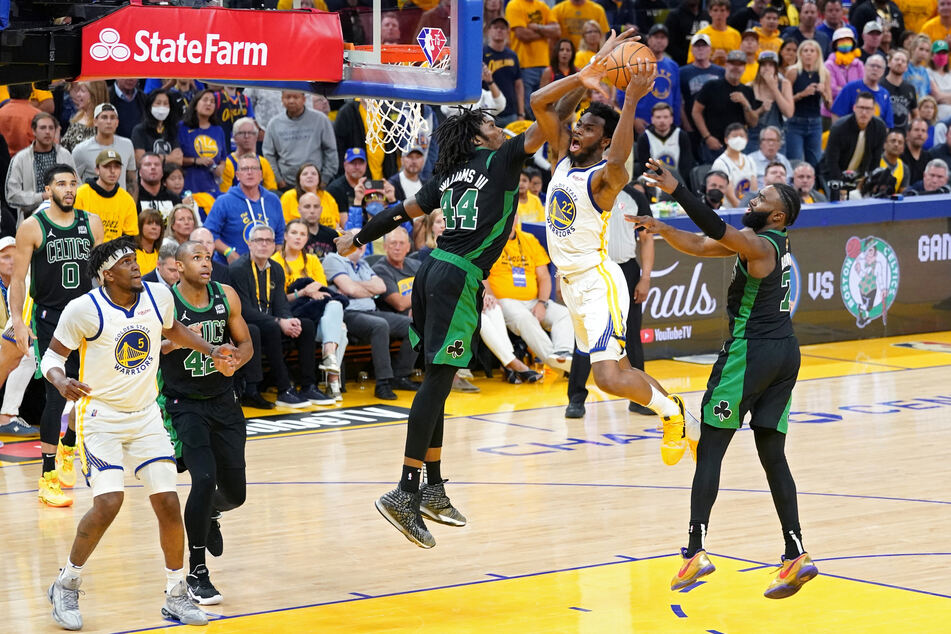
[199, 364]
[466, 211]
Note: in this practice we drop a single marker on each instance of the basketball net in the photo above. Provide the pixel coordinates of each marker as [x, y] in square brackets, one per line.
[396, 126]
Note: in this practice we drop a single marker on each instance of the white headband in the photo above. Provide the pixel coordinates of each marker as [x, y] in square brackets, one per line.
[112, 260]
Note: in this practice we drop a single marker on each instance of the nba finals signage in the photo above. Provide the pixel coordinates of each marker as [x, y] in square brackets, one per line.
[143, 41]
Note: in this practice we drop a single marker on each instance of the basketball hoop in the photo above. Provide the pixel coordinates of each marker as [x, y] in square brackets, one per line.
[395, 126]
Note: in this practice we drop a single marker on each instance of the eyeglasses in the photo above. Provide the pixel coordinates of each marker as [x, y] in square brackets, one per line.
[263, 240]
[248, 133]
[249, 169]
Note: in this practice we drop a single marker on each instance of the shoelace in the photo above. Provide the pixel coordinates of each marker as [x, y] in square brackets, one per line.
[71, 598]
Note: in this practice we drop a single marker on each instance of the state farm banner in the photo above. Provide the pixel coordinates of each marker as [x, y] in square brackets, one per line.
[213, 43]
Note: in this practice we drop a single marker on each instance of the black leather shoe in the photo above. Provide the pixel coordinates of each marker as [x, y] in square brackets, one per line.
[404, 383]
[575, 410]
[384, 392]
[254, 399]
[637, 408]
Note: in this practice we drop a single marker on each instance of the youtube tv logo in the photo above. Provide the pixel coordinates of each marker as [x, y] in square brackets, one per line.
[647, 335]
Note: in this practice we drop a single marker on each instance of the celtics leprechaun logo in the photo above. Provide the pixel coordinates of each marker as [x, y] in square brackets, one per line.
[869, 279]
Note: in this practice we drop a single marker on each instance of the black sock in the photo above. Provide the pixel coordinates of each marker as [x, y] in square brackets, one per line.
[250, 388]
[49, 462]
[433, 476]
[793, 537]
[69, 438]
[409, 481]
[196, 557]
[696, 533]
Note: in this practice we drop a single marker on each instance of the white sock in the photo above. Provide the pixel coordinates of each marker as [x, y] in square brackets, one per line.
[71, 571]
[173, 578]
[663, 405]
[692, 427]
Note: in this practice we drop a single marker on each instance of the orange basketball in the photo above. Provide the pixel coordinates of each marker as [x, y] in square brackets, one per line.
[628, 53]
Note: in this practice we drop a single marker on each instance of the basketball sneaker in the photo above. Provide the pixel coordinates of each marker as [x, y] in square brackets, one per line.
[692, 569]
[793, 573]
[65, 467]
[401, 509]
[50, 492]
[215, 543]
[200, 588]
[64, 595]
[435, 504]
[179, 607]
[674, 444]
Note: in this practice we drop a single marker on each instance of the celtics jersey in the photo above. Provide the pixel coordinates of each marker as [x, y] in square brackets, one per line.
[58, 268]
[479, 200]
[759, 308]
[188, 373]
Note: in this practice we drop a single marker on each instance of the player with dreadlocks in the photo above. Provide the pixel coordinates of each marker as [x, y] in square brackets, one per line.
[475, 184]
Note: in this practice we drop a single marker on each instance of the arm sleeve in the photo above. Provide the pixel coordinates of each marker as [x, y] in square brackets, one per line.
[512, 151]
[705, 218]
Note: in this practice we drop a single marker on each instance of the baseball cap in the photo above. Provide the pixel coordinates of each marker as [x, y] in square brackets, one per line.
[872, 26]
[939, 46]
[107, 156]
[355, 153]
[658, 28]
[412, 149]
[768, 56]
[700, 37]
[842, 33]
[101, 107]
[750, 32]
[736, 56]
[499, 19]
[7, 241]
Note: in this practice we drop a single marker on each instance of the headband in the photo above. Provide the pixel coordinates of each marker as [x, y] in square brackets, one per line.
[112, 260]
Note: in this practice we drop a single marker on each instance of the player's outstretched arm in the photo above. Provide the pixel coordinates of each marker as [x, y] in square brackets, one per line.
[379, 225]
[238, 328]
[683, 241]
[53, 367]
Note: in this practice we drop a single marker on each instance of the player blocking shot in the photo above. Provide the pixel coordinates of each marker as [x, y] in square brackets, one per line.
[119, 328]
[204, 416]
[756, 370]
[589, 171]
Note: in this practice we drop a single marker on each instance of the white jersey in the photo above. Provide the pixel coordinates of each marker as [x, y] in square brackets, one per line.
[577, 227]
[119, 349]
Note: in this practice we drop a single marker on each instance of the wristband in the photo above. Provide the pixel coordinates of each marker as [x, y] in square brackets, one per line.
[296, 295]
[229, 251]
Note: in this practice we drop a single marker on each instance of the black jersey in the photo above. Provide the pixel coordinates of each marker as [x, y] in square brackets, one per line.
[188, 373]
[479, 200]
[759, 308]
[58, 272]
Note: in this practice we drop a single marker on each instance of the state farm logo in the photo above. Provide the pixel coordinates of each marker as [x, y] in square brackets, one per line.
[108, 47]
[150, 46]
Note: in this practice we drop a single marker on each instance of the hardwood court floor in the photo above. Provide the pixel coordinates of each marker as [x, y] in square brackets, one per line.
[574, 525]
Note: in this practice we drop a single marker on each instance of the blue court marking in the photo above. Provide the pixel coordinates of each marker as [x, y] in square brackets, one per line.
[360, 595]
[696, 584]
[679, 611]
[579, 609]
[502, 422]
[714, 632]
[627, 558]
[495, 576]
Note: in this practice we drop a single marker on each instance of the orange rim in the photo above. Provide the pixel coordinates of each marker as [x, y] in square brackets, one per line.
[401, 53]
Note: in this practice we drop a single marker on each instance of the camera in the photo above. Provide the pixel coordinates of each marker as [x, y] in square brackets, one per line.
[838, 190]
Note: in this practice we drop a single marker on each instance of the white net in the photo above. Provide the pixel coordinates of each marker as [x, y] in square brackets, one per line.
[397, 126]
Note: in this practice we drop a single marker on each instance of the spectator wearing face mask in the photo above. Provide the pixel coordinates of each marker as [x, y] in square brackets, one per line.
[740, 168]
[157, 133]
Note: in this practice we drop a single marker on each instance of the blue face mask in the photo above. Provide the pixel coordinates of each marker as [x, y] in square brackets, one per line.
[374, 207]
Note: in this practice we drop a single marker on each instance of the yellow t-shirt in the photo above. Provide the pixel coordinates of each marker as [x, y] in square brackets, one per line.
[329, 215]
[571, 18]
[521, 13]
[933, 29]
[531, 211]
[313, 269]
[582, 58]
[229, 178]
[768, 42]
[116, 212]
[917, 12]
[750, 73]
[147, 261]
[39, 96]
[719, 40]
[513, 274]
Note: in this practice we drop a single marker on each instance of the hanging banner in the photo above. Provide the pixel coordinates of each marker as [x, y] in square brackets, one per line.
[213, 43]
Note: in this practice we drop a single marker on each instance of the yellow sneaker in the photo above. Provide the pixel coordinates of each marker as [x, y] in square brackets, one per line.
[674, 444]
[692, 569]
[692, 433]
[64, 465]
[791, 576]
[50, 492]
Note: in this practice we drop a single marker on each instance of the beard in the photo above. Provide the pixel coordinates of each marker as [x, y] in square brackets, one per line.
[755, 220]
[59, 203]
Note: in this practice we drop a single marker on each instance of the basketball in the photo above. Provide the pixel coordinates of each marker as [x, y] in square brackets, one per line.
[853, 247]
[618, 60]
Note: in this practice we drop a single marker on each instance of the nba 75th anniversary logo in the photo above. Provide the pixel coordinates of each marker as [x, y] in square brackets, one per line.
[869, 280]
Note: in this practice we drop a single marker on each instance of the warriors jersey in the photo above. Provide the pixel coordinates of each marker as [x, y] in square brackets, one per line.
[577, 227]
[58, 266]
[759, 308]
[119, 349]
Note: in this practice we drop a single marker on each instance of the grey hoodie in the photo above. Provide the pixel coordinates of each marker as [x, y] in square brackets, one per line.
[289, 143]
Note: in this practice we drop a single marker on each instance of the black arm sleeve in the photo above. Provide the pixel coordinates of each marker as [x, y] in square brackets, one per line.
[381, 224]
[707, 219]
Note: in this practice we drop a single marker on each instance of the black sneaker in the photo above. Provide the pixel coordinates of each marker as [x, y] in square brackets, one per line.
[383, 391]
[404, 383]
[316, 397]
[214, 543]
[290, 398]
[637, 408]
[254, 399]
[528, 376]
[200, 588]
[435, 504]
[401, 509]
[574, 410]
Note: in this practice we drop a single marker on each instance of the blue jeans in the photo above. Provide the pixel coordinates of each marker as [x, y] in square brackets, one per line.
[331, 329]
[804, 140]
[531, 78]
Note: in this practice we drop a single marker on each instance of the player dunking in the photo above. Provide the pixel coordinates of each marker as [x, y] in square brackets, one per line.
[206, 417]
[580, 198]
[118, 328]
[756, 370]
[54, 245]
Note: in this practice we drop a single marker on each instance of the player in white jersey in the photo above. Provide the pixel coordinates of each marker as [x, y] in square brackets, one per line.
[118, 331]
[589, 173]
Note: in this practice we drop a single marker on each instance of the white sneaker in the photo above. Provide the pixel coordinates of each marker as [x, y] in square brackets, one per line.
[179, 607]
[64, 595]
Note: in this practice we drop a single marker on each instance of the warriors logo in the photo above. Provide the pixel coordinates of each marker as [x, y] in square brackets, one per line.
[561, 212]
[132, 350]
